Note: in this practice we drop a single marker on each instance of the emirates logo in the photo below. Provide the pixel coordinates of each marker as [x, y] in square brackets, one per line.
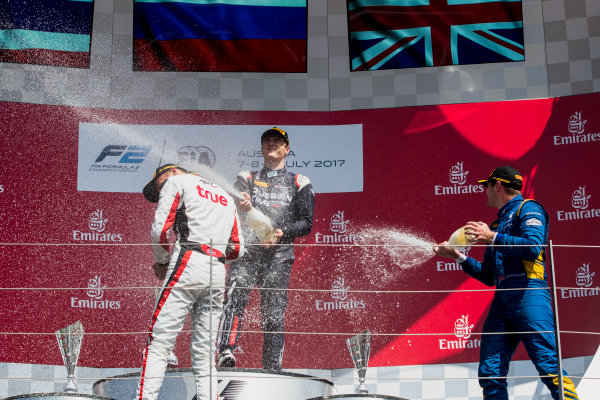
[339, 290]
[95, 288]
[338, 223]
[96, 222]
[97, 230]
[339, 299]
[584, 277]
[95, 297]
[579, 199]
[462, 328]
[576, 124]
[458, 176]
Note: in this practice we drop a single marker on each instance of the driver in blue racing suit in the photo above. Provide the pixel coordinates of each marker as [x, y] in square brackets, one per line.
[522, 226]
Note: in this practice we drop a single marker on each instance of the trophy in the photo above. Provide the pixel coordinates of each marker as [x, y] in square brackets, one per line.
[360, 349]
[69, 342]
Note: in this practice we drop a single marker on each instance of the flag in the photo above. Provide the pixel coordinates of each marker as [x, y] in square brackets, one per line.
[220, 35]
[390, 34]
[56, 32]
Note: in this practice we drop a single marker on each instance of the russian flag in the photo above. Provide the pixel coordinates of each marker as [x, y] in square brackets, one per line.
[220, 35]
[56, 32]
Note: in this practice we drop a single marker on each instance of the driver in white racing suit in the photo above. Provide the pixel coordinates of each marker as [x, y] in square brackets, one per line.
[205, 220]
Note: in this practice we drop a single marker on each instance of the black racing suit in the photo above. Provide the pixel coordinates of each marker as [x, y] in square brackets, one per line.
[288, 200]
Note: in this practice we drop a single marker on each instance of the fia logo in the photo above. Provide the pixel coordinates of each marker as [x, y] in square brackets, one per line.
[462, 329]
[95, 288]
[576, 124]
[584, 277]
[338, 223]
[458, 175]
[192, 157]
[579, 199]
[96, 223]
[338, 289]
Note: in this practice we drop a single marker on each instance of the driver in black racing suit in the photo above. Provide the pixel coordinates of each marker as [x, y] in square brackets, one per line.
[288, 200]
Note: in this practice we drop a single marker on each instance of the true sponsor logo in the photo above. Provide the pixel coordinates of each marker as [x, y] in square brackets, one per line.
[458, 179]
[583, 279]
[580, 203]
[442, 266]
[340, 300]
[577, 133]
[120, 158]
[214, 197]
[195, 156]
[97, 226]
[339, 233]
[462, 331]
[95, 297]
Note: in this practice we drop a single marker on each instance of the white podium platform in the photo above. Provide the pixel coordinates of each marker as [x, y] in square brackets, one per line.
[56, 396]
[234, 383]
[358, 397]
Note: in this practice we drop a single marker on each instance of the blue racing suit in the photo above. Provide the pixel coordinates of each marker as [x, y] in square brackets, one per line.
[524, 225]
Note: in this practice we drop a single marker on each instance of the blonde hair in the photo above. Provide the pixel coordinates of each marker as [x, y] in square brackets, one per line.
[511, 191]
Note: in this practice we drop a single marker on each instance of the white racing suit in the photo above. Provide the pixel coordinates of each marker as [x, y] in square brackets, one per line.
[201, 213]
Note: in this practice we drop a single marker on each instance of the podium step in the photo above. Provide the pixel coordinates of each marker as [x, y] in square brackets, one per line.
[56, 396]
[234, 383]
[357, 396]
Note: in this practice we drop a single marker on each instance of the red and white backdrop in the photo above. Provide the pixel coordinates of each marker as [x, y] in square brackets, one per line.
[74, 228]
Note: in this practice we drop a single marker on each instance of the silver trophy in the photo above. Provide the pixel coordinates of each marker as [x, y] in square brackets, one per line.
[69, 342]
[360, 349]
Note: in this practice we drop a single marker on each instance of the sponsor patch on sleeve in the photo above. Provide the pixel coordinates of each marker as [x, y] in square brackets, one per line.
[301, 181]
[534, 222]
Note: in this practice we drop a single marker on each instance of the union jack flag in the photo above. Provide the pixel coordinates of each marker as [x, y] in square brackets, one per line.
[390, 34]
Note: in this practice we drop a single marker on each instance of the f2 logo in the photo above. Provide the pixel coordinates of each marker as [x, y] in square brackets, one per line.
[133, 155]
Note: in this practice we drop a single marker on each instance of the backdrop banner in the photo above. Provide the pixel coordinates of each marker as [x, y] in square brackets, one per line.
[74, 227]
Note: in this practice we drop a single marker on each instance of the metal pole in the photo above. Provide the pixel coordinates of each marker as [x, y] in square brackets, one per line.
[210, 342]
[556, 325]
